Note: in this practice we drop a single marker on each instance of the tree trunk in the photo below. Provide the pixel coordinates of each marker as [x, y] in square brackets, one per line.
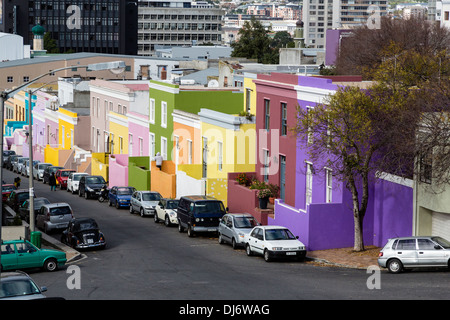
[359, 211]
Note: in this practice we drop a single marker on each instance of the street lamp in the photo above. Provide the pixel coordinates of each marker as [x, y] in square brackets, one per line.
[5, 95]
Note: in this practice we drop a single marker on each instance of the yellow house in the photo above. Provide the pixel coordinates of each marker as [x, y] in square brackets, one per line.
[250, 93]
[118, 131]
[228, 143]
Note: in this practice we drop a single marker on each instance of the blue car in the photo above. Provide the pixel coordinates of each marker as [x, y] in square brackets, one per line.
[120, 196]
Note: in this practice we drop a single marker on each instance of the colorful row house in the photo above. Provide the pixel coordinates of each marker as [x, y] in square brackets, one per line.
[315, 207]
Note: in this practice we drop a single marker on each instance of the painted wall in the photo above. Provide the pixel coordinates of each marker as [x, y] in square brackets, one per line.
[139, 173]
[118, 170]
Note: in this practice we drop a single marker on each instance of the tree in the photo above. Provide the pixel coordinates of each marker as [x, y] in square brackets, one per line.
[363, 52]
[345, 134]
[254, 43]
[50, 43]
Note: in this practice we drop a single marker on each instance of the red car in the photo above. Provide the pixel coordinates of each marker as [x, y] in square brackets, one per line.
[61, 177]
[6, 191]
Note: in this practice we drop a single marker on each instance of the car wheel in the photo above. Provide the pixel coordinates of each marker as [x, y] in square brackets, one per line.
[141, 212]
[117, 205]
[180, 227]
[248, 250]
[394, 266]
[167, 221]
[155, 217]
[50, 265]
[86, 196]
[267, 255]
[219, 238]
[131, 209]
[190, 232]
[233, 243]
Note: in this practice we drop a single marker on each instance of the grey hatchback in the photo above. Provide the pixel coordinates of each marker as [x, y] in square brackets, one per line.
[234, 227]
[413, 252]
[54, 216]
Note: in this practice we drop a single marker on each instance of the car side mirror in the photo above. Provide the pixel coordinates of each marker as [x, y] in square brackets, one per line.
[437, 247]
[226, 209]
[43, 289]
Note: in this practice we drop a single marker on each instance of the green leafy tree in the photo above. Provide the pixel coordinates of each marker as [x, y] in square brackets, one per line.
[50, 43]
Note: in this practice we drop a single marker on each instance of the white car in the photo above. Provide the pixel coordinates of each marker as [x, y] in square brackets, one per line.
[144, 202]
[167, 210]
[73, 180]
[274, 242]
[38, 170]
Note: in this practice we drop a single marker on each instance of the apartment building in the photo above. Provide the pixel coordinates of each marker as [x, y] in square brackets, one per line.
[321, 15]
[177, 23]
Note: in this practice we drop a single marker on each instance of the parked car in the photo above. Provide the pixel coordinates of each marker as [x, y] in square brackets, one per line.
[274, 242]
[73, 180]
[199, 214]
[61, 177]
[24, 209]
[91, 186]
[120, 196]
[38, 170]
[48, 172]
[26, 167]
[6, 191]
[22, 254]
[166, 210]
[11, 161]
[83, 233]
[6, 155]
[414, 252]
[144, 202]
[19, 286]
[54, 216]
[19, 164]
[234, 228]
[17, 197]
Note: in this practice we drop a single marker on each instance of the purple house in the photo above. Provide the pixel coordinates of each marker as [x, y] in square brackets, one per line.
[311, 203]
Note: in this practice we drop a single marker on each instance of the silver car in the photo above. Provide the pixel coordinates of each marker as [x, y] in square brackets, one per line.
[412, 252]
[234, 227]
[17, 167]
[73, 180]
[38, 170]
[144, 202]
[54, 216]
[26, 167]
[19, 286]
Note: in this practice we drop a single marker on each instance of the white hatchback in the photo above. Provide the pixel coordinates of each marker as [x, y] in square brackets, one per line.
[73, 180]
[274, 242]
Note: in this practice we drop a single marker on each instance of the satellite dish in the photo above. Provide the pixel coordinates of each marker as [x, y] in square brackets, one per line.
[213, 84]
[117, 70]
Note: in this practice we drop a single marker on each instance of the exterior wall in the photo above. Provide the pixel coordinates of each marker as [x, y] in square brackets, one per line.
[164, 180]
[187, 127]
[138, 128]
[100, 165]
[139, 173]
[118, 170]
[118, 126]
[67, 121]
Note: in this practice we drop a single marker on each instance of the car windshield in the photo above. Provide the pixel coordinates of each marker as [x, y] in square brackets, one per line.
[279, 234]
[77, 177]
[151, 197]
[172, 204]
[85, 225]
[444, 243]
[22, 160]
[209, 207]
[65, 173]
[125, 191]
[245, 222]
[43, 166]
[54, 169]
[40, 202]
[20, 287]
[8, 188]
[23, 196]
[59, 211]
[97, 180]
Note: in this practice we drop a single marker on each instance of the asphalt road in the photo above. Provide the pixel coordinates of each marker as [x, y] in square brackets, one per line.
[148, 261]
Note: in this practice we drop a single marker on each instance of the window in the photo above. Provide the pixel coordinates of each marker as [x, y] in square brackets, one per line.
[309, 119]
[267, 114]
[189, 151]
[266, 165]
[219, 155]
[329, 184]
[120, 145]
[163, 114]
[152, 111]
[9, 79]
[26, 79]
[247, 99]
[164, 148]
[425, 244]
[425, 168]
[407, 244]
[283, 119]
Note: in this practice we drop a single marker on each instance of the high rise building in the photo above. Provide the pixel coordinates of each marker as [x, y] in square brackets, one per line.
[321, 15]
[102, 26]
[177, 23]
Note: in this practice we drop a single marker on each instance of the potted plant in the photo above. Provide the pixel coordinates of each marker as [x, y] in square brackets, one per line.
[263, 195]
[275, 189]
[242, 179]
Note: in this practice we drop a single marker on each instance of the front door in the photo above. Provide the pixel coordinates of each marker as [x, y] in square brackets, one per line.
[282, 177]
[427, 254]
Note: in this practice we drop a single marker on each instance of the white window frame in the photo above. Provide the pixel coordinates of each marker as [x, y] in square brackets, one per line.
[189, 142]
[164, 148]
[219, 155]
[309, 182]
[328, 185]
[164, 114]
[152, 111]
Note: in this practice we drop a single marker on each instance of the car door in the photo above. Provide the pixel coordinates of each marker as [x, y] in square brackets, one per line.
[9, 256]
[256, 240]
[27, 255]
[160, 209]
[406, 251]
[428, 254]
[40, 218]
[112, 196]
[226, 224]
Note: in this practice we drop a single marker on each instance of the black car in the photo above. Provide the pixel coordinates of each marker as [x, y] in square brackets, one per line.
[24, 208]
[6, 155]
[9, 163]
[83, 233]
[48, 172]
[199, 214]
[17, 197]
[91, 186]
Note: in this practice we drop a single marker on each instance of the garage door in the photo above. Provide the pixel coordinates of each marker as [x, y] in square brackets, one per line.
[440, 225]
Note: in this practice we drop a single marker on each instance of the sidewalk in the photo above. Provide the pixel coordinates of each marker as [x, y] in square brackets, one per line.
[345, 257]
